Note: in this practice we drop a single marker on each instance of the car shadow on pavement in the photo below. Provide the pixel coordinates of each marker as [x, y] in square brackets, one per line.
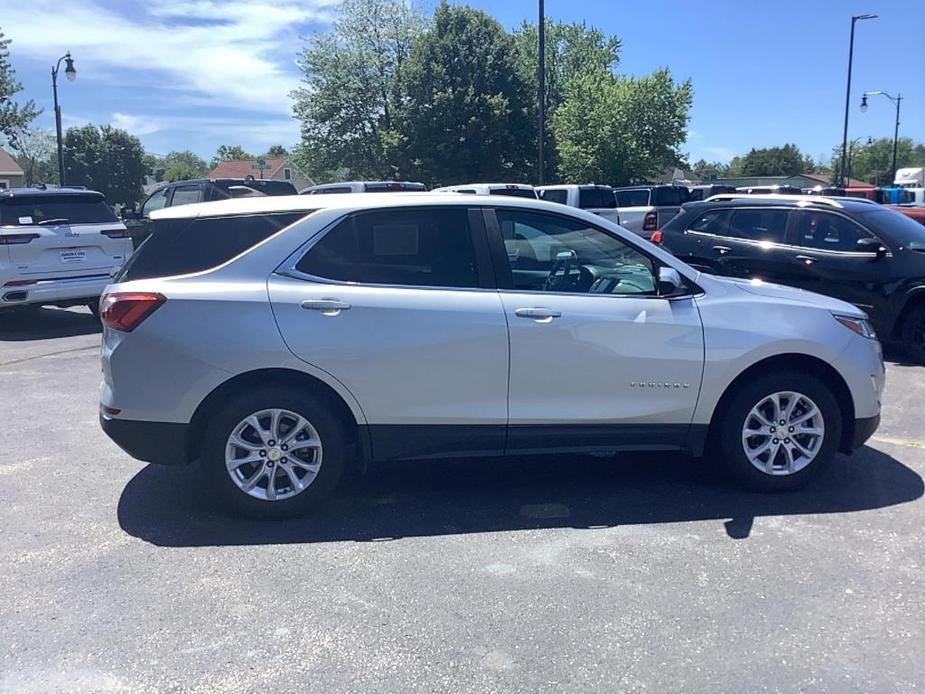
[161, 504]
[45, 324]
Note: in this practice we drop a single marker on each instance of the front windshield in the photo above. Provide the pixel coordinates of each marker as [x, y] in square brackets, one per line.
[895, 226]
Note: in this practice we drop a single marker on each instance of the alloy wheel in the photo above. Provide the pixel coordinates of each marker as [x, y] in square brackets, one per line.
[273, 454]
[783, 433]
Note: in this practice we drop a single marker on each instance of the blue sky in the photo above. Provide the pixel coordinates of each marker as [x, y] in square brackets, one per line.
[194, 74]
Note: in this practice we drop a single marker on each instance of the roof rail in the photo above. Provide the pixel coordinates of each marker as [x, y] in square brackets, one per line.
[808, 199]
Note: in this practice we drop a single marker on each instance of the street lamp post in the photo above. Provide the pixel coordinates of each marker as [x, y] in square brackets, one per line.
[898, 99]
[844, 143]
[541, 92]
[71, 73]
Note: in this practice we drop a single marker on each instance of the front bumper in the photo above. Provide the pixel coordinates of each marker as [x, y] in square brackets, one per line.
[55, 290]
[863, 430]
[164, 443]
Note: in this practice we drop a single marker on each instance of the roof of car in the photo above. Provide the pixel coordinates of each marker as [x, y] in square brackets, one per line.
[27, 192]
[845, 203]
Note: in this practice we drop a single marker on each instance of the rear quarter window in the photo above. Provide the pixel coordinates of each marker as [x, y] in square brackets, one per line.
[69, 209]
[184, 246]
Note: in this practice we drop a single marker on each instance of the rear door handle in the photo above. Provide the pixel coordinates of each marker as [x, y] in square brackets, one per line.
[329, 307]
[542, 315]
[808, 259]
[722, 249]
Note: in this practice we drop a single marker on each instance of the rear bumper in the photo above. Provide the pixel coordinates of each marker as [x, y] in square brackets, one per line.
[51, 291]
[164, 443]
[863, 430]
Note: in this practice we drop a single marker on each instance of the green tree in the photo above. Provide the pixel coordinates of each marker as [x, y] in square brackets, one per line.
[181, 166]
[229, 153]
[707, 171]
[621, 130]
[464, 112]
[14, 118]
[106, 159]
[571, 49]
[277, 151]
[36, 154]
[775, 161]
[347, 98]
[873, 162]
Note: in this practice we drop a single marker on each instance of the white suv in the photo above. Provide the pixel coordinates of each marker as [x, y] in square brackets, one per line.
[58, 247]
[282, 340]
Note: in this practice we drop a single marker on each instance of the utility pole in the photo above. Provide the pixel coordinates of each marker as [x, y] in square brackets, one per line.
[541, 94]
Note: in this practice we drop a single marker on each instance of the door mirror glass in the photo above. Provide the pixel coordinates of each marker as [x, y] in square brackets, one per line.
[669, 281]
[871, 245]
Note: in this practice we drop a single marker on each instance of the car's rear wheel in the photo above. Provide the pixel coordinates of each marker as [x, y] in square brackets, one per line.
[913, 334]
[779, 431]
[274, 452]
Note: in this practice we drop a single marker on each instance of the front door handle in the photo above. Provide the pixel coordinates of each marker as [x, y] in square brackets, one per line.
[722, 249]
[540, 315]
[329, 307]
[808, 259]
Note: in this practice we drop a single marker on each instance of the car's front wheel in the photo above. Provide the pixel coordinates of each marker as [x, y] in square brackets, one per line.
[913, 334]
[779, 431]
[273, 452]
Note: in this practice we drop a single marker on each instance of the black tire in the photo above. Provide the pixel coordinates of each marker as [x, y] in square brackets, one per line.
[913, 334]
[731, 421]
[329, 428]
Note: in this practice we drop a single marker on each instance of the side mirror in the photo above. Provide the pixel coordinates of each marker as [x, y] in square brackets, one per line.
[870, 245]
[669, 281]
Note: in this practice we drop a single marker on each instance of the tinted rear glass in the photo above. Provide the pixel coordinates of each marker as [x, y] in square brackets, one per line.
[632, 198]
[182, 246]
[514, 192]
[559, 196]
[425, 247]
[266, 186]
[36, 209]
[591, 198]
[666, 196]
[393, 187]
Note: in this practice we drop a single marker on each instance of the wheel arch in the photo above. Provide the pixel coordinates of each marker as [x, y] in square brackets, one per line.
[799, 362]
[914, 298]
[350, 417]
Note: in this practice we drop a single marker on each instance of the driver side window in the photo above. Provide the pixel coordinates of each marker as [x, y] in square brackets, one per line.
[157, 200]
[557, 254]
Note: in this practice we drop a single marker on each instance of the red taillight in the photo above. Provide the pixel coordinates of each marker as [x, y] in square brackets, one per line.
[13, 239]
[115, 233]
[656, 236]
[126, 310]
[20, 283]
[650, 222]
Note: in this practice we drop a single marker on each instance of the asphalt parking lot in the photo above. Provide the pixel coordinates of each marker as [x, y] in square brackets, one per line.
[639, 573]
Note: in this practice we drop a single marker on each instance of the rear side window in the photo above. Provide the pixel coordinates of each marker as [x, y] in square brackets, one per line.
[59, 209]
[633, 198]
[182, 246]
[592, 198]
[559, 196]
[666, 196]
[513, 192]
[186, 195]
[758, 225]
[712, 222]
[425, 247]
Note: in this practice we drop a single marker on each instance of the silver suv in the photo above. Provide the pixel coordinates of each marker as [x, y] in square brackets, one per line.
[281, 341]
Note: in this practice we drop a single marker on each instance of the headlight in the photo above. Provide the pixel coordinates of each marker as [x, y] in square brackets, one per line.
[861, 326]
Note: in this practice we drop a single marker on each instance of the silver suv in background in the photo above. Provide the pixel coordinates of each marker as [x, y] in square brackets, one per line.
[594, 198]
[511, 190]
[58, 246]
[645, 209]
[281, 341]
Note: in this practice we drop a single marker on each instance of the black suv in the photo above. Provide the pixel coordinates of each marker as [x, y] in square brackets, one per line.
[856, 251]
[199, 190]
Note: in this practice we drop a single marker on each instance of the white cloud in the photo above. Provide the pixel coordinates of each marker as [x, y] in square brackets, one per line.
[234, 53]
[136, 125]
[720, 153]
